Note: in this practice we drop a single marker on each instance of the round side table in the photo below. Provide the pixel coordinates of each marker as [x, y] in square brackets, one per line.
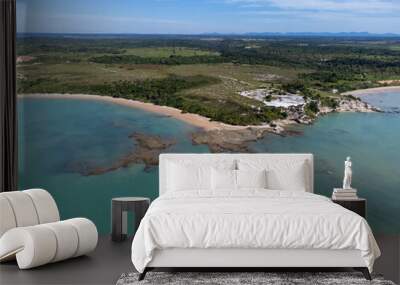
[119, 213]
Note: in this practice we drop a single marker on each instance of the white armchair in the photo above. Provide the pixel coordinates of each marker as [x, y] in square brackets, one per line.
[32, 233]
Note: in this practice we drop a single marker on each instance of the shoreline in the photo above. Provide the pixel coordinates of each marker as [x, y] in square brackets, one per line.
[217, 135]
[368, 91]
[192, 119]
[195, 120]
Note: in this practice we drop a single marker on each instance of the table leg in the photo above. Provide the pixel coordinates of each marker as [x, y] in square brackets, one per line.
[124, 222]
[116, 233]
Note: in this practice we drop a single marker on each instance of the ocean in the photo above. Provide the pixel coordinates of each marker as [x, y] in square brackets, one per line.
[57, 137]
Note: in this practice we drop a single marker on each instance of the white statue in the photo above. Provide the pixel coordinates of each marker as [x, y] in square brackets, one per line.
[348, 173]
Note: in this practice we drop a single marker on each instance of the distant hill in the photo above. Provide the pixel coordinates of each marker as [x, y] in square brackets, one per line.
[306, 34]
[327, 34]
[250, 34]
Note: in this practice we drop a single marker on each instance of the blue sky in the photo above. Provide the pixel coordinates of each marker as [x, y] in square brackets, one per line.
[200, 16]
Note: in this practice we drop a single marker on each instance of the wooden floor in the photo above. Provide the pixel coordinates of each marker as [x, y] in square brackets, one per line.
[110, 260]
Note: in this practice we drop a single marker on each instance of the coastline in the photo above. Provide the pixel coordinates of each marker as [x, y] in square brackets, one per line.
[219, 137]
[192, 119]
[361, 92]
[199, 121]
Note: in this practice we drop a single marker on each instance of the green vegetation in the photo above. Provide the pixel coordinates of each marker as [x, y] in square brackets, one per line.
[201, 75]
[328, 102]
[158, 91]
[311, 108]
[165, 92]
[171, 60]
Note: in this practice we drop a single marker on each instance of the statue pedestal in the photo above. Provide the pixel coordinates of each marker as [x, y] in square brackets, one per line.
[344, 194]
[344, 190]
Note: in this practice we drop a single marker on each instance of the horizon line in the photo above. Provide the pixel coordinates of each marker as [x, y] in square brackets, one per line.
[217, 33]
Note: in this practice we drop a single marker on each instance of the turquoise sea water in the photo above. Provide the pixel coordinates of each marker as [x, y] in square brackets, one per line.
[57, 134]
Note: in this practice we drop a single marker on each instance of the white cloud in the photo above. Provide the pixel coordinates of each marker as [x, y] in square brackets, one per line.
[353, 6]
[379, 16]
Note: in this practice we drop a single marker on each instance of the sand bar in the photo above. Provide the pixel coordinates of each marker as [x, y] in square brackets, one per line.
[361, 92]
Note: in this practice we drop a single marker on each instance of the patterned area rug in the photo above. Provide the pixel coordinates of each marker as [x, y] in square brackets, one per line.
[244, 278]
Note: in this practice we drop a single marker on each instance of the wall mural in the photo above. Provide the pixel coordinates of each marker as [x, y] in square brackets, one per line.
[97, 106]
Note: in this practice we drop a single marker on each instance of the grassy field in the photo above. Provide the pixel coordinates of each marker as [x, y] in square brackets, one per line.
[395, 47]
[234, 77]
[167, 51]
[222, 69]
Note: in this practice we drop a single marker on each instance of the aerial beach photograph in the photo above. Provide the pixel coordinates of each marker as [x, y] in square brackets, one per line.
[207, 142]
[101, 97]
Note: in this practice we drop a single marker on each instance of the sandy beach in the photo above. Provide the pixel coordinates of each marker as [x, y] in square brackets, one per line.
[192, 119]
[361, 92]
